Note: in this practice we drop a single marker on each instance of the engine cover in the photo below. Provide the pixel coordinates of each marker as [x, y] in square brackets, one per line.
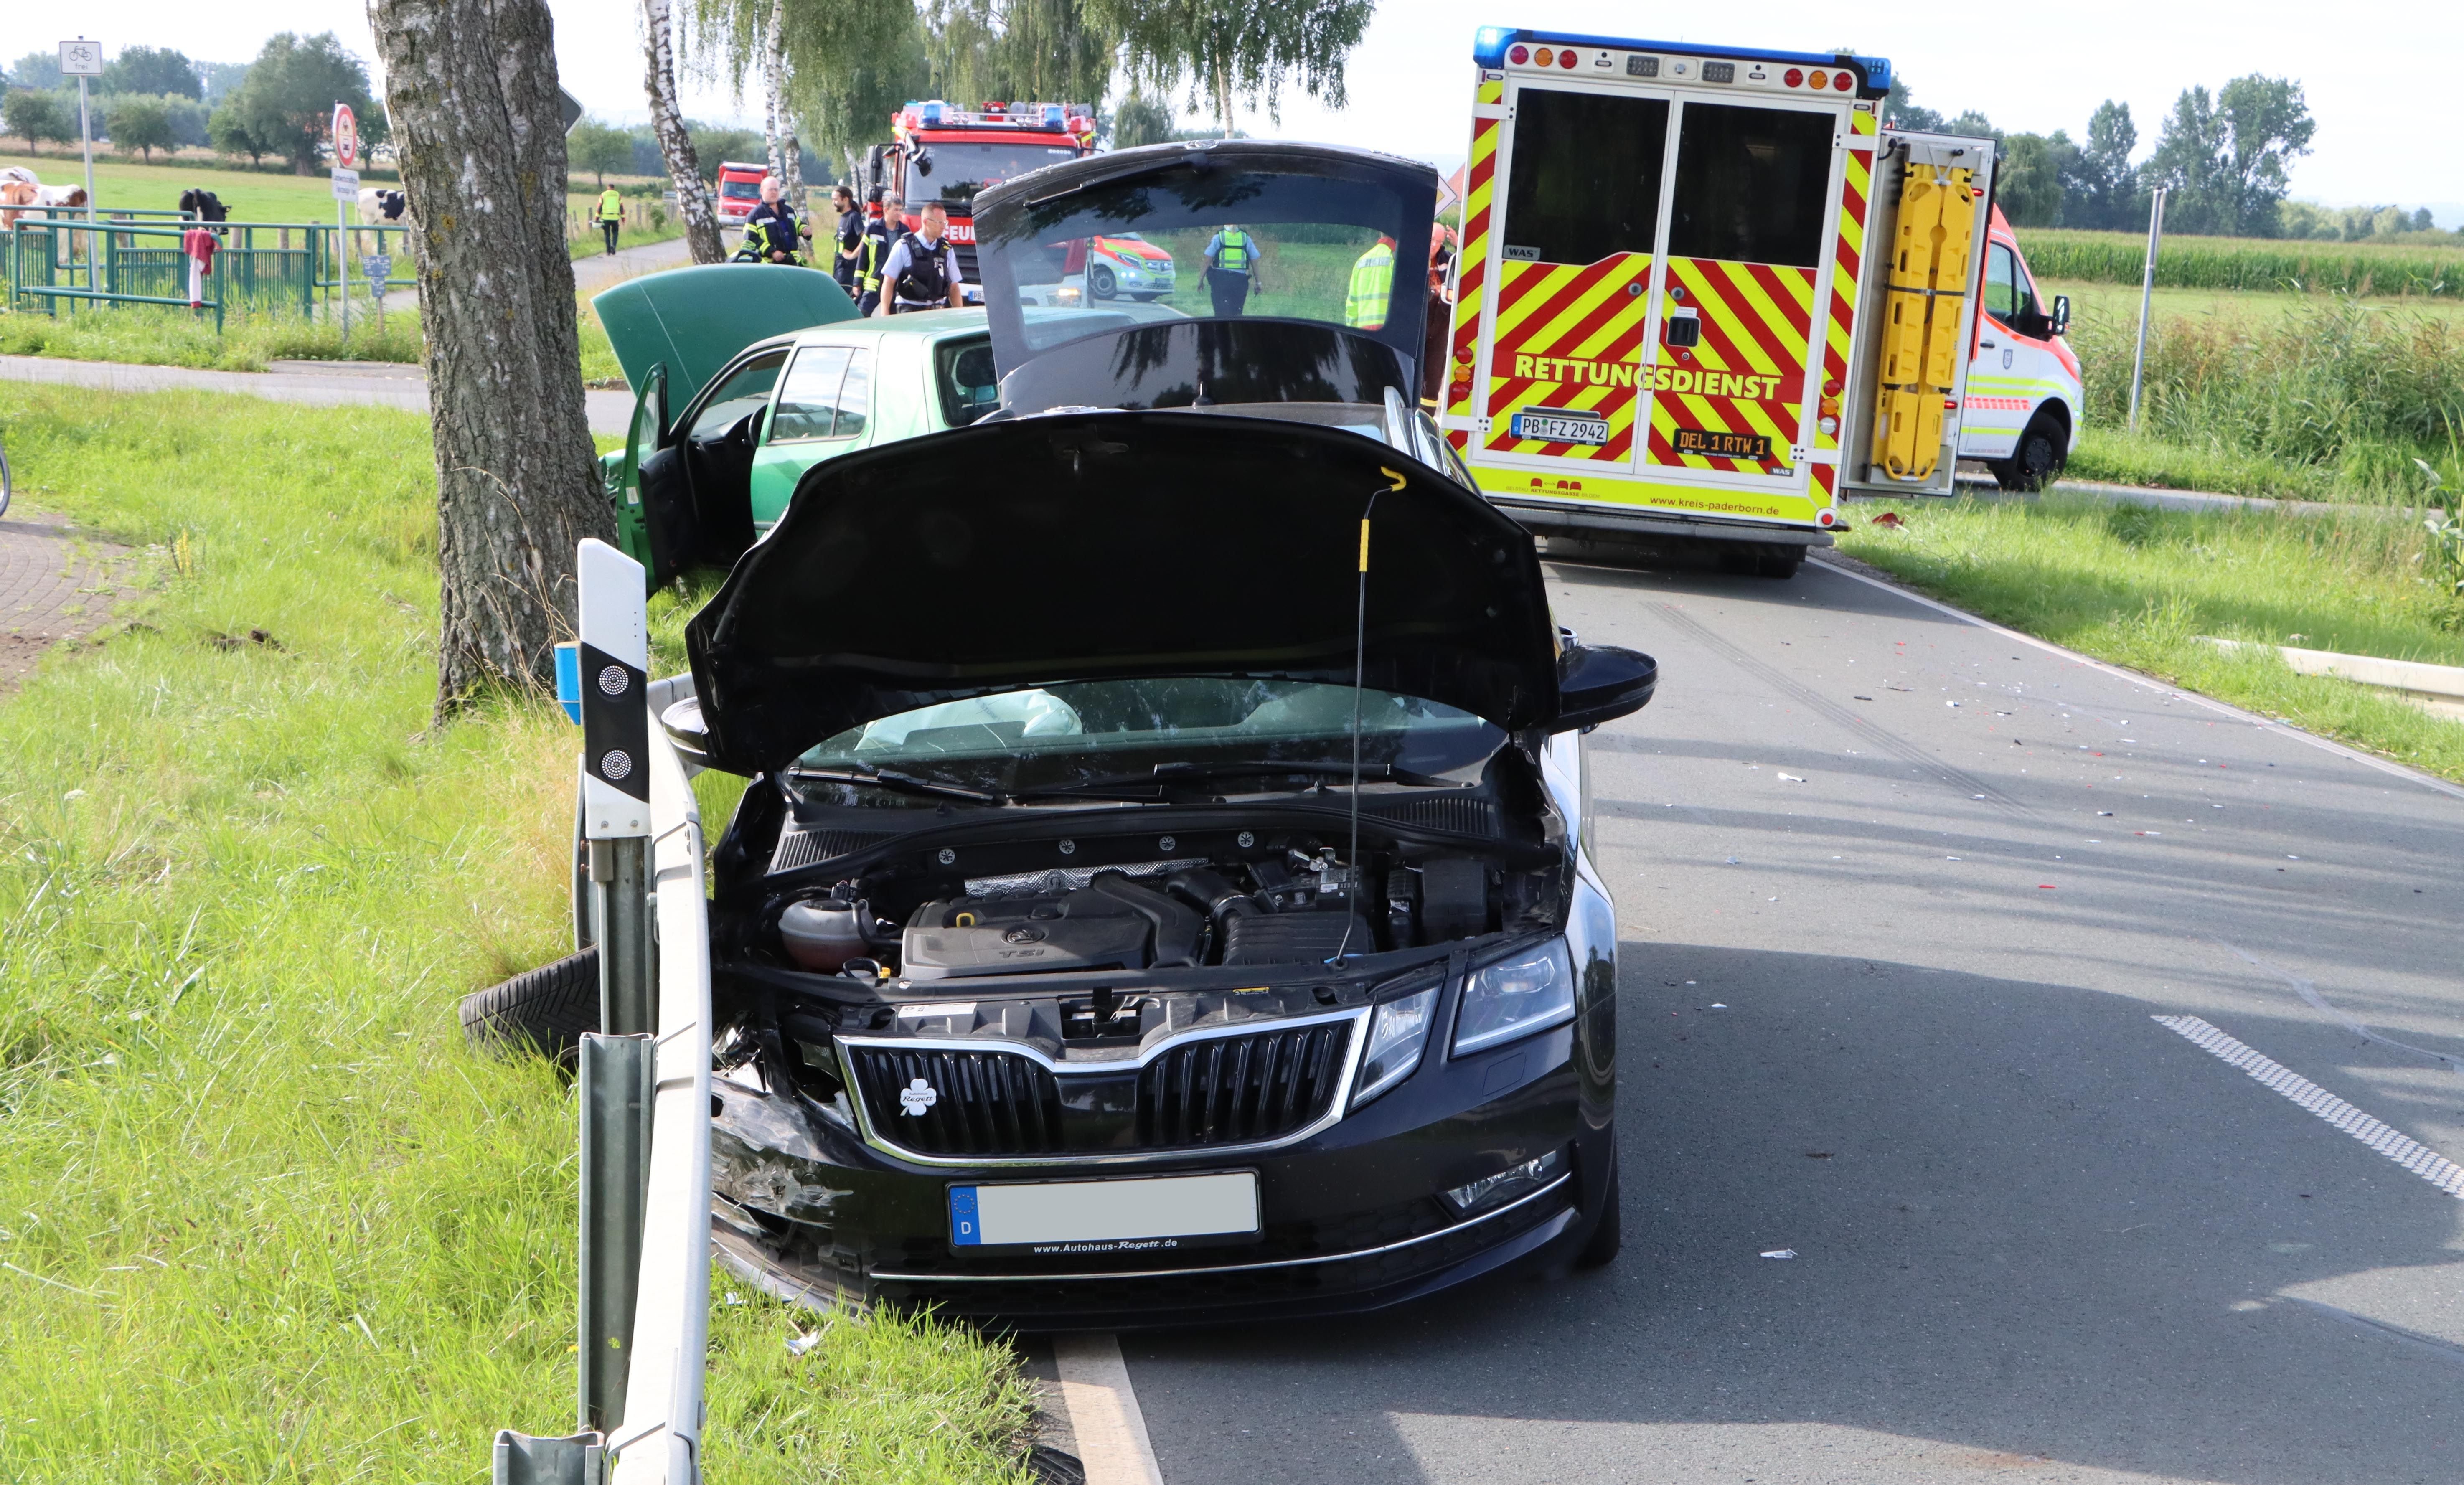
[1023, 935]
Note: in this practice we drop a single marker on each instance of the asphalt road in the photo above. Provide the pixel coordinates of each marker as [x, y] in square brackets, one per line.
[1889, 981]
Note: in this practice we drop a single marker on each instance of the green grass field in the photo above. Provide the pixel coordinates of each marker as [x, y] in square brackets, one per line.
[2139, 587]
[263, 1216]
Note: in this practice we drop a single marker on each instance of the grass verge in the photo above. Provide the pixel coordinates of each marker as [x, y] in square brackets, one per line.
[2139, 587]
[264, 1217]
[147, 335]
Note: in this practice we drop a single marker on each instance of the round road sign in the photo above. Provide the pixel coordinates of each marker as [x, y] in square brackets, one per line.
[346, 138]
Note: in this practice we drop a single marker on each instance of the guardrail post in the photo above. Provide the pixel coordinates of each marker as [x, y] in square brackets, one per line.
[616, 1088]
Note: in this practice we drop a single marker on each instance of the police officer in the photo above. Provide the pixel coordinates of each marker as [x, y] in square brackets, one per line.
[1232, 270]
[922, 269]
[784, 235]
[850, 238]
[873, 252]
[611, 215]
[1373, 286]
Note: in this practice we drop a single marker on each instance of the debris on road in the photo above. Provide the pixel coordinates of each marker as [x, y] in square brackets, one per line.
[1779, 1252]
[1790, 779]
[1887, 519]
[798, 1345]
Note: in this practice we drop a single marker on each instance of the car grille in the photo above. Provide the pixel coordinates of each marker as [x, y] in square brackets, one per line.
[1236, 1090]
[1241, 1089]
[982, 1103]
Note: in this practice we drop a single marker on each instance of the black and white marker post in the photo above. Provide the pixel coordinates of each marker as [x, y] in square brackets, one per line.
[616, 1072]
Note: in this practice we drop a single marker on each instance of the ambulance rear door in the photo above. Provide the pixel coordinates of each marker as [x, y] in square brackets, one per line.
[1916, 314]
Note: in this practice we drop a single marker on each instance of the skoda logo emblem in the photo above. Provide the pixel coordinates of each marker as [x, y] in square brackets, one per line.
[917, 1097]
[1023, 934]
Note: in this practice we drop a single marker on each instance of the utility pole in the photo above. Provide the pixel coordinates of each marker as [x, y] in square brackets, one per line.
[2146, 295]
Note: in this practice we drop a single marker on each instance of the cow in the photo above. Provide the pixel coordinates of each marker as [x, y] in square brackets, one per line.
[381, 208]
[19, 189]
[203, 204]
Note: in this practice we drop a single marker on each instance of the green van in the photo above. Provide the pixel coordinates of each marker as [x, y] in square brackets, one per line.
[775, 374]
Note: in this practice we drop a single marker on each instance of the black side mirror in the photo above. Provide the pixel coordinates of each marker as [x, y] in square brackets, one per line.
[2061, 313]
[1602, 682]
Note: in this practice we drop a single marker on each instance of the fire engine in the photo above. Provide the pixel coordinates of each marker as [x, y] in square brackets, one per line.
[740, 190]
[942, 153]
[1705, 290]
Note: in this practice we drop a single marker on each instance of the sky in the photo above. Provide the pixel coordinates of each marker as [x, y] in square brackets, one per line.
[2379, 81]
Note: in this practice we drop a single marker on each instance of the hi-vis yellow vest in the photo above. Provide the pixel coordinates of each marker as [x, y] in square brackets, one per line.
[1232, 255]
[1372, 289]
[611, 207]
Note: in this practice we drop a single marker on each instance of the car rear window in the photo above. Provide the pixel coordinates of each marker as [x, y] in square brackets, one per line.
[969, 385]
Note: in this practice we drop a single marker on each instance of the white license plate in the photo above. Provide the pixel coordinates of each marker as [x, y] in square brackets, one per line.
[1143, 1214]
[1561, 428]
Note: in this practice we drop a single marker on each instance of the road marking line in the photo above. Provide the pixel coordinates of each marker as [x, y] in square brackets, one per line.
[1104, 1416]
[2269, 724]
[2401, 1149]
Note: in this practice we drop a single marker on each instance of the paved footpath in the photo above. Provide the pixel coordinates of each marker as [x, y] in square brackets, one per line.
[53, 586]
[343, 384]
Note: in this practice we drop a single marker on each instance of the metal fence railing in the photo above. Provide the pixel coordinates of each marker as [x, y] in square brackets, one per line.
[134, 257]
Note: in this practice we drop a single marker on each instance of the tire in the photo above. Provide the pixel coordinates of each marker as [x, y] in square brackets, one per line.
[4, 481]
[585, 932]
[2037, 460]
[545, 1010]
[1100, 283]
[1607, 1235]
[1049, 1466]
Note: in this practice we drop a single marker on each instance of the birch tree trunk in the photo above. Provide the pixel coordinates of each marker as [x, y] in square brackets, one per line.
[786, 152]
[472, 87]
[675, 145]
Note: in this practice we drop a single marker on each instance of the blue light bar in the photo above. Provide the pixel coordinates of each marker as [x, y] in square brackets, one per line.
[1052, 116]
[932, 113]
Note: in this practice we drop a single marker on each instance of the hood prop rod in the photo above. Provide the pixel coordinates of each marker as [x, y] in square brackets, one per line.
[1359, 670]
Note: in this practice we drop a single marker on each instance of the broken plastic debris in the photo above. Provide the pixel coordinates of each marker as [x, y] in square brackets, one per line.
[798, 1345]
[1717, 1005]
[1732, 860]
[1892, 518]
[1779, 1252]
[1790, 778]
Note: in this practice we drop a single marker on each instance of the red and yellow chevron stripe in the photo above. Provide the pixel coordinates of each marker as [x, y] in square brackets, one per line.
[1755, 321]
[1471, 278]
[1569, 336]
[1840, 336]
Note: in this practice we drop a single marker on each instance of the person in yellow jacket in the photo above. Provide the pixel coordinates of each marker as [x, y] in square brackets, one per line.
[1373, 287]
[611, 215]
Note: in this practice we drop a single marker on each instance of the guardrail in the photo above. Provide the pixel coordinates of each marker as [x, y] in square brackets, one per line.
[644, 1316]
[54, 254]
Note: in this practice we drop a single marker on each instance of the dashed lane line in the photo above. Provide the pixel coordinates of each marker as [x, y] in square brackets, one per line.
[2401, 1149]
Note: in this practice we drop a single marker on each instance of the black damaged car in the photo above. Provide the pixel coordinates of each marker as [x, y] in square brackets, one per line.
[1138, 914]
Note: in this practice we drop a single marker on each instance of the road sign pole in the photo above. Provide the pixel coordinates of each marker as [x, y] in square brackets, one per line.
[2146, 297]
[82, 59]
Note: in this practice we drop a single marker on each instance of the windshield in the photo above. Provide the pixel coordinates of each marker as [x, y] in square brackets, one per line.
[1063, 734]
[954, 173]
[1210, 235]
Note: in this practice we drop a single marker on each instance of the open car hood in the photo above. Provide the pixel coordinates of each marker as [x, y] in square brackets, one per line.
[1055, 351]
[1112, 545]
[694, 320]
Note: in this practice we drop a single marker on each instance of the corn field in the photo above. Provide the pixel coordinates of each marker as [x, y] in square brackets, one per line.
[2253, 263]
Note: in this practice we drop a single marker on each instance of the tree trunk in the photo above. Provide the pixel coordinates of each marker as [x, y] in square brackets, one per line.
[675, 145]
[472, 89]
[787, 153]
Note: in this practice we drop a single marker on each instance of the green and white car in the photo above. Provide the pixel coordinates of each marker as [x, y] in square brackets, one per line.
[775, 374]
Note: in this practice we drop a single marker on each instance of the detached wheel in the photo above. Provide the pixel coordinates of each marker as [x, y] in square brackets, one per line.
[2038, 459]
[545, 1009]
[1607, 1235]
[1100, 282]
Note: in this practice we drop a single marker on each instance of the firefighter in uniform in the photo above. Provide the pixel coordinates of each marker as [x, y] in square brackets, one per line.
[922, 269]
[1373, 287]
[784, 235]
[873, 252]
[1232, 270]
[611, 215]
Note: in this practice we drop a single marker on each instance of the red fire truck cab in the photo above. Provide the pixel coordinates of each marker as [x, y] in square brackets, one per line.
[942, 153]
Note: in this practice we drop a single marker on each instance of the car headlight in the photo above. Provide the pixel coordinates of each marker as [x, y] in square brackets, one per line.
[1515, 997]
[1399, 1030]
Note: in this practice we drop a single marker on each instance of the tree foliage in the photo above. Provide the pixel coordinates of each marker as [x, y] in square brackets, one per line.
[35, 70]
[599, 148]
[2225, 159]
[141, 123]
[286, 105]
[155, 70]
[1140, 120]
[1247, 51]
[34, 115]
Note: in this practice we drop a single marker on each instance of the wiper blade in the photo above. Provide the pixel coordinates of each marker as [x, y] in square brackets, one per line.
[903, 783]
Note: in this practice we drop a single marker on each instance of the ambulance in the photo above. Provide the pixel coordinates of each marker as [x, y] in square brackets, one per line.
[1704, 292]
